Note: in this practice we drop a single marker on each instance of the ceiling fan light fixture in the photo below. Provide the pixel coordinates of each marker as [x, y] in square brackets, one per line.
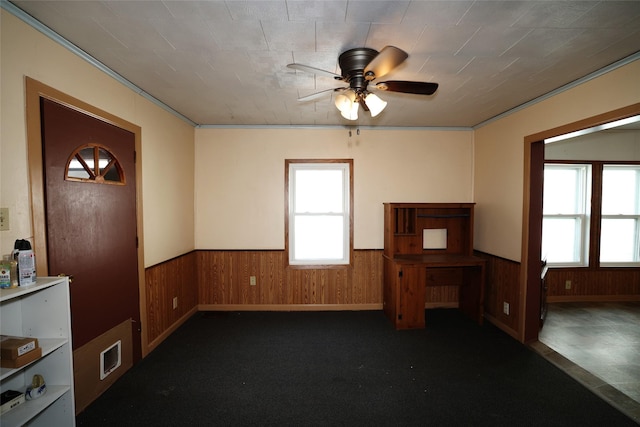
[351, 114]
[359, 67]
[375, 104]
[348, 105]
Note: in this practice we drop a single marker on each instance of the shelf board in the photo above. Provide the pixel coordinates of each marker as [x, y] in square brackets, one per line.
[48, 345]
[26, 411]
[41, 283]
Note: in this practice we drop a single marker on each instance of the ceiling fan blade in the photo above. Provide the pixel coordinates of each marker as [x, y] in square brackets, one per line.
[420, 88]
[319, 94]
[388, 59]
[314, 70]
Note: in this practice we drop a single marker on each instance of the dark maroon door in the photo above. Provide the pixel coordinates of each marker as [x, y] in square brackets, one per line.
[90, 198]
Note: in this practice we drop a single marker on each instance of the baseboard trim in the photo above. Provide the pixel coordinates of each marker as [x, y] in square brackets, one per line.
[288, 307]
[592, 298]
[152, 345]
[511, 332]
[310, 307]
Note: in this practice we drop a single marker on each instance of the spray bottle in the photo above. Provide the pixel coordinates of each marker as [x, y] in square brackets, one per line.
[26, 260]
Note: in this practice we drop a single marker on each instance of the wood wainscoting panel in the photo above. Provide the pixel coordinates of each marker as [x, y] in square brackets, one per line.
[442, 296]
[368, 277]
[169, 280]
[225, 279]
[502, 285]
[443, 287]
[586, 284]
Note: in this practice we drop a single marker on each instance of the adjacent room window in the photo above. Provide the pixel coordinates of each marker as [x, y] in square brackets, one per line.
[620, 222]
[566, 207]
[319, 211]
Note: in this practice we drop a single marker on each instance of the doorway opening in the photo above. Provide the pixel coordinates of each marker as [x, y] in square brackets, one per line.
[531, 267]
[551, 335]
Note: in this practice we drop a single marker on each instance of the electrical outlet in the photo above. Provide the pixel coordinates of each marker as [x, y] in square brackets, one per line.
[252, 280]
[567, 284]
[4, 219]
[505, 308]
[175, 302]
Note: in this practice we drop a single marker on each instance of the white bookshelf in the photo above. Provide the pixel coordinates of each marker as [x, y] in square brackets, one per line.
[41, 311]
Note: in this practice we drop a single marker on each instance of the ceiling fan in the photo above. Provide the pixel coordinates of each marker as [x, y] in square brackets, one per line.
[359, 67]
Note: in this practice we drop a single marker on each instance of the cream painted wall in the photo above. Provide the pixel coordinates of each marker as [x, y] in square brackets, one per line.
[240, 178]
[499, 153]
[167, 142]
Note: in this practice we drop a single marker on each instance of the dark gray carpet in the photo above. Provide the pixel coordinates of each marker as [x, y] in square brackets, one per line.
[344, 368]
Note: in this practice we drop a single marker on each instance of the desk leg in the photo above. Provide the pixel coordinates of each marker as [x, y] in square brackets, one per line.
[472, 293]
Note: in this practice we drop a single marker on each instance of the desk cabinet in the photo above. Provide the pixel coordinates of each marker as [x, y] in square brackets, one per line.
[404, 294]
[41, 311]
[424, 242]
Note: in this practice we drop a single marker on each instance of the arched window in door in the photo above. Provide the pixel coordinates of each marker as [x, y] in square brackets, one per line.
[94, 163]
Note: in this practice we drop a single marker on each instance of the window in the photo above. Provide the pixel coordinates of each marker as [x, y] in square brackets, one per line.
[565, 219]
[319, 211]
[94, 163]
[620, 226]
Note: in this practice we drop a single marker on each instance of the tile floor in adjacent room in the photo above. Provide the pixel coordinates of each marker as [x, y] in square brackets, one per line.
[599, 345]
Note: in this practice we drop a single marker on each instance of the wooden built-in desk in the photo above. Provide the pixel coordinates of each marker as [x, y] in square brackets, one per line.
[429, 244]
[406, 279]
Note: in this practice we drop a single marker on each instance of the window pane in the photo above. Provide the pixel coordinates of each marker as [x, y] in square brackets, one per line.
[318, 191]
[318, 214]
[620, 191]
[618, 241]
[561, 240]
[564, 190]
[318, 237]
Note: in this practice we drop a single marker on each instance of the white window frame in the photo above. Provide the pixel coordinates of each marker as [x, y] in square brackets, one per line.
[582, 218]
[636, 217]
[345, 166]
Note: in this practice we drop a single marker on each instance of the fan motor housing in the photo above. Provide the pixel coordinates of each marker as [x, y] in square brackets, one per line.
[352, 64]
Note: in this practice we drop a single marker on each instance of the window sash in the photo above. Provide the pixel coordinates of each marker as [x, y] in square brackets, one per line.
[566, 202]
[620, 241]
[572, 250]
[620, 190]
[556, 197]
[319, 236]
[620, 216]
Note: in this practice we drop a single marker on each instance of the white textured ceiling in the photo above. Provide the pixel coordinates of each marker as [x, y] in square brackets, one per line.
[224, 62]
